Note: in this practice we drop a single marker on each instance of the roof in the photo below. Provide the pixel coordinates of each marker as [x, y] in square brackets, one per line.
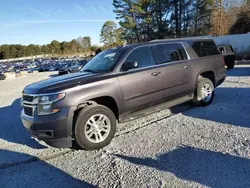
[166, 40]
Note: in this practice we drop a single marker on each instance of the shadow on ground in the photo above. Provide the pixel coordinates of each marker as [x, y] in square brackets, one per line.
[208, 168]
[11, 128]
[239, 71]
[35, 173]
[230, 106]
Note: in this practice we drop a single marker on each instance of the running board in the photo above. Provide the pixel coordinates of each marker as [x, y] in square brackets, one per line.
[155, 108]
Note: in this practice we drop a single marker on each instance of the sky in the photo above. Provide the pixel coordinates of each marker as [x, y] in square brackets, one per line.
[41, 21]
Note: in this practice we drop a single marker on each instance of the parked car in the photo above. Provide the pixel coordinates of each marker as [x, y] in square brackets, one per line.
[118, 85]
[40, 69]
[228, 54]
[75, 68]
[83, 62]
[17, 71]
[65, 69]
[70, 69]
[2, 76]
[30, 70]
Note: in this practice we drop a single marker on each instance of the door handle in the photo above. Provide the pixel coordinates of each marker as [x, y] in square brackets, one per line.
[155, 73]
[186, 67]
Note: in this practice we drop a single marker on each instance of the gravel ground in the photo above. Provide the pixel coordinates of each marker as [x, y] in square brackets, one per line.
[178, 147]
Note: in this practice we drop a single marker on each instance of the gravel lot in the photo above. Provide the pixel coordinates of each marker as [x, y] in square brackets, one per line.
[178, 147]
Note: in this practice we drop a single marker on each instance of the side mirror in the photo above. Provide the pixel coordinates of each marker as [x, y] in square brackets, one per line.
[130, 65]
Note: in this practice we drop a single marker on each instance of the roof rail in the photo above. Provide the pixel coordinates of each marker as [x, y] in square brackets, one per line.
[171, 39]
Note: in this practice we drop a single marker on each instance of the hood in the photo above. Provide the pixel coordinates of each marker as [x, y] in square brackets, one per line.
[60, 83]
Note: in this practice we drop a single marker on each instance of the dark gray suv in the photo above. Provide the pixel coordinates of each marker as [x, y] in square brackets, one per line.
[121, 84]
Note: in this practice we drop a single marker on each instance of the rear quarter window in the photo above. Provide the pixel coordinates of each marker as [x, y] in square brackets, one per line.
[167, 53]
[204, 48]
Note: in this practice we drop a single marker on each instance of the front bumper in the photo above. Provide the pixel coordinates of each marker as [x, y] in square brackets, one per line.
[54, 129]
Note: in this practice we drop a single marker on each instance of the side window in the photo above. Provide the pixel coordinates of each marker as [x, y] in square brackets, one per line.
[204, 48]
[166, 53]
[143, 56]
[222, 49]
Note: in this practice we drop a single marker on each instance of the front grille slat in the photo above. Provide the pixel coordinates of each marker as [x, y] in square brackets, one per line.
[28, 98]
[28, 111]
[29, 104]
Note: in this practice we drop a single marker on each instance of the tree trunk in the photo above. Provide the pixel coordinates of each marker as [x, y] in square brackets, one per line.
[180, 18]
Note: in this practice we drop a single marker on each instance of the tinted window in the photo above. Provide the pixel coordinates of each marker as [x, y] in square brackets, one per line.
[166, 53]
[143, 56]
[204, 48]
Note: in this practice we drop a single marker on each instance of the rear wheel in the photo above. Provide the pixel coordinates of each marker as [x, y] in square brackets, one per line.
[204, 93]
[230, 65]
[95, 127]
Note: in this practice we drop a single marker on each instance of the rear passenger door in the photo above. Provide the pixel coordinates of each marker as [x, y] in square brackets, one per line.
[177, 70]
[143, 85]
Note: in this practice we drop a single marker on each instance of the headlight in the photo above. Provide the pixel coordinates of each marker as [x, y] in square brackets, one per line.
[46, 103]
[45, 99]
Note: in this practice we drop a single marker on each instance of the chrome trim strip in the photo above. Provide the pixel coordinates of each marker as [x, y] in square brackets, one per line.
[36, 98]
[44, 94]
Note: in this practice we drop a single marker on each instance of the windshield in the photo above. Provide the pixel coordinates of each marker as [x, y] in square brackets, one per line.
[103, 62]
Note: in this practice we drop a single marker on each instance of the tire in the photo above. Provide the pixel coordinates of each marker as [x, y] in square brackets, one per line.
[199, 99]
[230, 65]
[84, 125]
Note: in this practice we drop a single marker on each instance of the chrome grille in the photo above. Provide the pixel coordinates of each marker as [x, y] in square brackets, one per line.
[28, 111]
[28, 98]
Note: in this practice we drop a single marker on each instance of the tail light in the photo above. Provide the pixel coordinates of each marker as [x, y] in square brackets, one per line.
[223, 60]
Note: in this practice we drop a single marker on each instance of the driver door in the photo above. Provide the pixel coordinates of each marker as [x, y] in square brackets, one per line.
[142, 85]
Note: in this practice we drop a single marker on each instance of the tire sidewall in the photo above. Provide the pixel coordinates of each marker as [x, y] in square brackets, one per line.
[83, 117]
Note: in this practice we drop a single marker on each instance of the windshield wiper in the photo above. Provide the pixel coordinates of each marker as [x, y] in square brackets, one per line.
[88, 70]
[93, 71]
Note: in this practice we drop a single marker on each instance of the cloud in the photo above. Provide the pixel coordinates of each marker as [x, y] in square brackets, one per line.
[31, 22]
[103, 9]
[79, 7]
[93, 9]
[59, 11]
[42, 13]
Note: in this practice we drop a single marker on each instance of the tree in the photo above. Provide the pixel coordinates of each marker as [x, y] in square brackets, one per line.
[45, 49]
[85, 43]
[108, 33]
[242, 24]
[118, 37]
[55, 47]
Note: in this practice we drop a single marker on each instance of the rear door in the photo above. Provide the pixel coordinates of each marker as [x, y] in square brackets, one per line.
[177, 69]
[143, 85]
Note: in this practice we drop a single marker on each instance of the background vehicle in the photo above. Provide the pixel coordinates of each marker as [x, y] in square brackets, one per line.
[30, 70]
[118, 85]
[74, 68]
[228, 54]
[2, 76]
[64, 69]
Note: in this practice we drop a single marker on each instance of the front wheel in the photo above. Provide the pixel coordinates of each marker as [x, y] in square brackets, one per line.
[95, 127]
[204, 93]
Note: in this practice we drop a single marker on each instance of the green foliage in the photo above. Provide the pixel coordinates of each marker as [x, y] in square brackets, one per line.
[108, 33]
[144, 20]
[111, 35]
[55, 47]
[242, 24]
[84, 43]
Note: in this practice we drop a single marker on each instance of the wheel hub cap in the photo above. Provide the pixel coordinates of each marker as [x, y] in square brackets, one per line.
[97, 128]
[207, 92]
